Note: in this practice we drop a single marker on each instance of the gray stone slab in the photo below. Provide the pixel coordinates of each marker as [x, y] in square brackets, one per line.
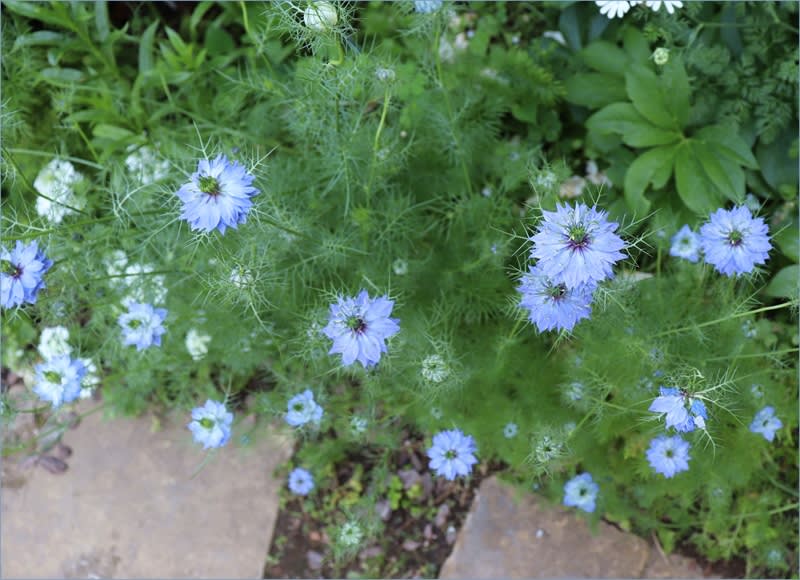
[506, 537]
[128, 506]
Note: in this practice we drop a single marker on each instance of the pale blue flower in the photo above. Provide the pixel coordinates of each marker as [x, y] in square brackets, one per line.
[58, 380]
[510, 430]
[359, 328]
[303, 409]
[576, 245]
[427, 6]
[452, 454]
[301, 482]
[668, 455]
[142, 325]
[766, 423]
[581, 492]
[686, 245]
[211, 424]
[552, 305]
[682, 412]
[734, 242]
[22, 273]
[217, 196]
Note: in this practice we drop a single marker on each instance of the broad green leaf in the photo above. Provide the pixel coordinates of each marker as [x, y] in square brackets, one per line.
[61, 75]
[697, 193]
[636, 46]
[197, 16]
[785, 283]
[641, 173]
[716, 173]
[728, 143]
[777, 167]
[606, 58]
[788, 240]
[40, 38]
[644, 89]
[675, 84]
[636, 131]
[218, 41]
[568, 25]
[595, 90]
[146, 49]
[101, 19]
[737, 177]
[111, 132]
[38, 11]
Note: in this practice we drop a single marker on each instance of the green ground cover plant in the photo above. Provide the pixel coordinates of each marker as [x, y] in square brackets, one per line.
[536, 235]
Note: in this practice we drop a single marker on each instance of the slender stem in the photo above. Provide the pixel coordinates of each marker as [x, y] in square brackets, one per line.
[752, 355]
[718, 320]
[376, 142]
[80, 224]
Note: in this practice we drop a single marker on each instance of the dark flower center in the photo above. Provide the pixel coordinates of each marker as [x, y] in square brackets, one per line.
[356, 324]
[578, 237]
[451, 454]
[13, 270]
[735, 238]
[52, 376]
[298, 407]
[209, 185]
[135, 323]
[582, 491]
[557, 292]
[206, 423]
[670, 453]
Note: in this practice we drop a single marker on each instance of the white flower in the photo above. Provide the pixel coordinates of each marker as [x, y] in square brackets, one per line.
[486, 191]
[434, 369]
[436, 412]
[670, 5]
[400, 267]
[427, 6]
[90, 379]
[350, 534]
[358, 425]
[661, 56]
[385, 75]
[614, 9]
[446, 52]
[595, 176]
[320, 16]
[145, 166]
[53, 342]
[144, 287]
[57, 181]
[574, 391]
[572, 187]
[545, 180]
[241, 278]
[510, 430]
[555, 35]
[197, 344]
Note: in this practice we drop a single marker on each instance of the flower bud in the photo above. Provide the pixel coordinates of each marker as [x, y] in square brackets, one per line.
[661, 56]
[320, 16]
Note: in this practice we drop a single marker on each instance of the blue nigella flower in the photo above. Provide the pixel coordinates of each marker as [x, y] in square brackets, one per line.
[452, 454]
[766, 423]
[142, 325]
[58, 380]
[359, 328]
[668, 455]
[217, 196]
[685, 244]
[577, 245]
[427, 6]
[581, 492]
[301, 482]
[510, 430]
[552, 305]
[682, 412]
[211, 424]
[302, 409]
[22, 273]
[733, 241]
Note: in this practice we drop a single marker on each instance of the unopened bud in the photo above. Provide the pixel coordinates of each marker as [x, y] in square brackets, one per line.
[661, 56]
[320, 16]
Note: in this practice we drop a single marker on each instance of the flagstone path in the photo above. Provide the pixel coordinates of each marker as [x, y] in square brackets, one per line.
[128, 506]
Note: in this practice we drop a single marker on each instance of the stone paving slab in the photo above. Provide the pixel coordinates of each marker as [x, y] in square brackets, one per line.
[509, 537]
[128, 506]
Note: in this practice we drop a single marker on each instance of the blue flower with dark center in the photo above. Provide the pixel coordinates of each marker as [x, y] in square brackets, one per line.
[303, 409]
[142, 325]
[58, 380]
[301, 482]
[668, 455]
[22, 273]
[576, 246]
[217, 196]
[685, 244]
[551, 305]
[359, 328]
[734, 242]
[581, 492]
[211, 424]
[682, 412]
[452, 454]
[766, 423]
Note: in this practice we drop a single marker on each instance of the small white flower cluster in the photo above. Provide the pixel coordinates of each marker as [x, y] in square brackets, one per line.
[57, 180]
[135, 279]
[197, 344]
[145, 166]
[53, 342]
[435, 369]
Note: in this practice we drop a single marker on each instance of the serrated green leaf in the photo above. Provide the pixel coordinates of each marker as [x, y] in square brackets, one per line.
[697, 193]
[727, 142]
[595, 90]
[675, 83]
[644, 90]
[605, 57]
[641, 173]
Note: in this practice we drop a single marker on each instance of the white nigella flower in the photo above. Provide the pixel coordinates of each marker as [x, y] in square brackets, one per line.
[241, 278]
[57, 181]
[143, 163]
[613, 8]
[385, 75]
[350, 534]
[197, 344]
[669, 5]
[661, 56]
[434, 369]
[143, 286]
[595, 176]
[358, 425]
[400, 267]
[510, 430]
[53, 342]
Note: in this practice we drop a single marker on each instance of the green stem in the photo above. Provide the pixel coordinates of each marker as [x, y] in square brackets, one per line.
[387, 97]
[80, 224]
[718, 320]
[753, 355]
